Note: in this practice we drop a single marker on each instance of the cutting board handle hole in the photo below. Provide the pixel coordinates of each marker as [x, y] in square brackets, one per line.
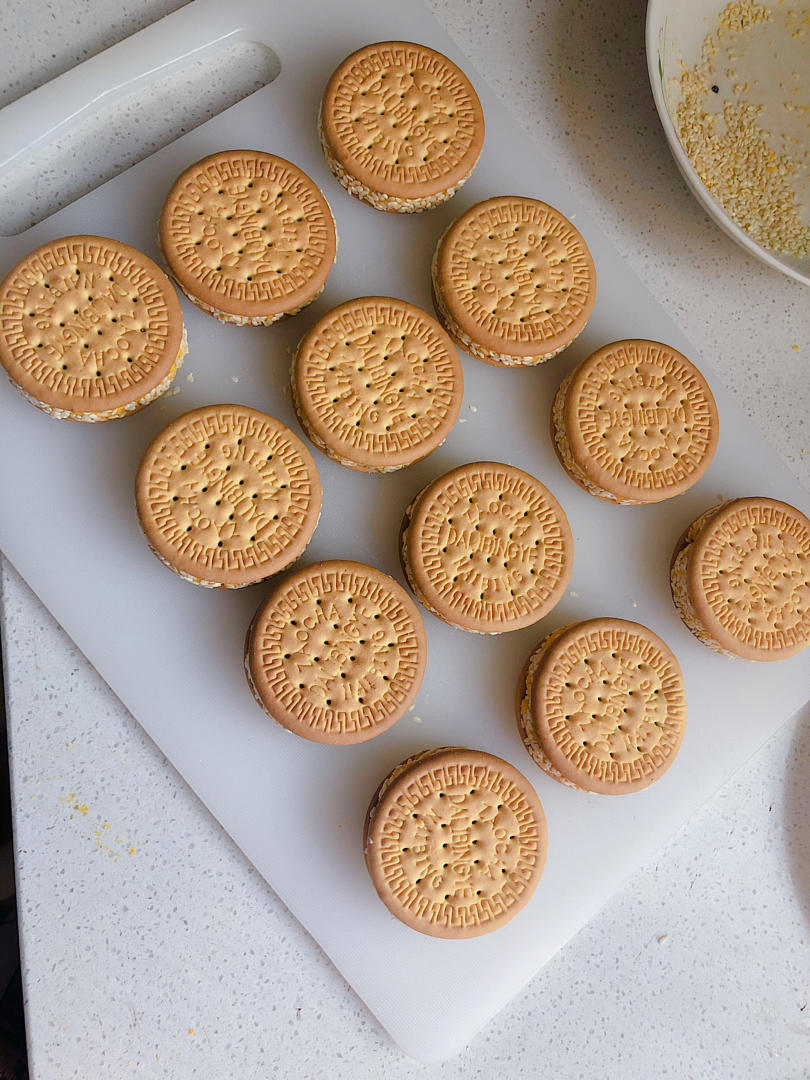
[122, 130]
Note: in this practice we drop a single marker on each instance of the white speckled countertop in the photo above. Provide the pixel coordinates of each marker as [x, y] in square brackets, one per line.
[152, 949]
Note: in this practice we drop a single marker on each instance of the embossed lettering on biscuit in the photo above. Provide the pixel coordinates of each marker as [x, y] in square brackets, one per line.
[401, 126]
[90, 328]
[227, 495]
[337, 652]
[248, 236]
[455, 842]
[377, 384]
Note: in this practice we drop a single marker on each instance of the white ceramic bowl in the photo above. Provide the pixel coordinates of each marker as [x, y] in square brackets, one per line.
[675, 32]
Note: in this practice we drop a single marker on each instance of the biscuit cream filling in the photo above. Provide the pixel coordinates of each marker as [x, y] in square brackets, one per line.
[472, 347]
[205, 584]
[564, 449]
[678, 581]
[526, 727]
[377, 199]
[120, 410]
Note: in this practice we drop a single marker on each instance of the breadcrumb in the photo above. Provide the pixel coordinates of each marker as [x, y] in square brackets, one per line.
[753, 154]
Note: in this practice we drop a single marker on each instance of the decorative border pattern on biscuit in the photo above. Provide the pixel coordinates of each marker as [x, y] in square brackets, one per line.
[248, 236]
[487, 547]
[337, 652]
[377, 384]
[401, 126]
[90, 328]
[227, 495]
[455, 842]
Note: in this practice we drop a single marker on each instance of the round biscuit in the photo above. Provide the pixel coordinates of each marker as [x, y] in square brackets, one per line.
[337, 652]
[248, 236]
[455, 842]
[90, 328]
[748, 578]
[377, 384]
[227, 496]
[513, 280]
[487, 548]
[637, 424]
[605, 706]
[401, 126]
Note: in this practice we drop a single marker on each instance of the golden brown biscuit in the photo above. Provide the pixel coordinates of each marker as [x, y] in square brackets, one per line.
[601, 706]
[248, 236]
[635, 423]
[740, 579]
[487, 547]
[401, 126]
[227, 496]
[90, 329]
[336, 653]
[377, 384]
[513, 281]
[455, 842]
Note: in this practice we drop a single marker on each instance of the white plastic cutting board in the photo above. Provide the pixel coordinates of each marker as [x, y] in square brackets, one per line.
[173, 653]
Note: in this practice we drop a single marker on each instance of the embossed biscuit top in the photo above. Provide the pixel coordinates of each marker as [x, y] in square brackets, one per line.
[403, 119]
[641, 420]
[378, 381]
[489, 547]
[456, 842]
[248, 233]
[607, 704]
[748, 578]
[88, 324]
[337, 652]
[228, 495]
[516, 276]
